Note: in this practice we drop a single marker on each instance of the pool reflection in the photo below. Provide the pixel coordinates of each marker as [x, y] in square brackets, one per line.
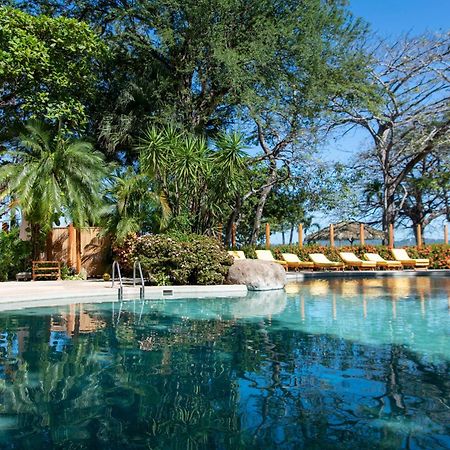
[324, 365]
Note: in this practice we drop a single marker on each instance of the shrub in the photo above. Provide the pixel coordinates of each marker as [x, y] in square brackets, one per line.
[177, 259]
[15, 254]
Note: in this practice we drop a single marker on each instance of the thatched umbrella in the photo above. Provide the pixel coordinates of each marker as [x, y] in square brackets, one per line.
[347, 231]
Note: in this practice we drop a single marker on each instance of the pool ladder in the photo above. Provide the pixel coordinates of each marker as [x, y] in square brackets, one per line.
[116, 272]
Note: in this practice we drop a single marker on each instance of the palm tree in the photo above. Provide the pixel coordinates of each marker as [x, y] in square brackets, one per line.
[134, 207]
[50, 176]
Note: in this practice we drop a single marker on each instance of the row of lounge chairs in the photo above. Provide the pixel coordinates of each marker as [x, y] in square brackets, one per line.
[349, 260]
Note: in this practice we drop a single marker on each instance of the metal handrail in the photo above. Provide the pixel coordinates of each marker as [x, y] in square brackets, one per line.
[137, 264]
[115, 267]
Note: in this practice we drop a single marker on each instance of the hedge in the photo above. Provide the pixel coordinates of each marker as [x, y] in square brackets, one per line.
[193, 259]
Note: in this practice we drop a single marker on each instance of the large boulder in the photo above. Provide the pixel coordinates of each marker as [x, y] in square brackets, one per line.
[257, 275]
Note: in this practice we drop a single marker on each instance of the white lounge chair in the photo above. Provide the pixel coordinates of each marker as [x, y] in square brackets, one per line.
[400, 255]
[266, 255]
[322, 262]
[383, 263]
[351, 260]
[294, 262]
[237, 254]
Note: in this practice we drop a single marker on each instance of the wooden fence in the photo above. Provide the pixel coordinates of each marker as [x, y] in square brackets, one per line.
[84, 248]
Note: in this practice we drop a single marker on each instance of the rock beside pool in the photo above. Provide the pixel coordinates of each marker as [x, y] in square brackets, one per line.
[259, 304]
[257, 275]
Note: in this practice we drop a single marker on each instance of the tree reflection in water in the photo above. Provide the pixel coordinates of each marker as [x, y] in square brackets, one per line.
[269, 371]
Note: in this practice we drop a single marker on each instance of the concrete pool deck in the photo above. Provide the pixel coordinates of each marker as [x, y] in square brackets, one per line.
[34, 293]
[300, 276]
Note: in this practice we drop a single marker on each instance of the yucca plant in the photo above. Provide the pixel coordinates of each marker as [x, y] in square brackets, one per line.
[199, 180]
[50, 176]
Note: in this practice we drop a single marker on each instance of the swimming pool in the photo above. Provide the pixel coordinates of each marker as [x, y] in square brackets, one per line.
[329, 364]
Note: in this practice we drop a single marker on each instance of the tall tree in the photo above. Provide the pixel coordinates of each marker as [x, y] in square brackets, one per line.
[47, 68]
[421, 197]
[50, 176]
[411, 116]
[323, 63]
[199, 63]
[312, 186]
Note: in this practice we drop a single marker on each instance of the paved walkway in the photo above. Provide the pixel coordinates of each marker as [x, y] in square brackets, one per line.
[57, 292]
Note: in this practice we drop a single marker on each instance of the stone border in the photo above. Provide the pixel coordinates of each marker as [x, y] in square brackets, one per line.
[300, 276]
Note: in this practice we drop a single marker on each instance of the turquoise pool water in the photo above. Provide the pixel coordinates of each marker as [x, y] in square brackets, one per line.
[345, 364]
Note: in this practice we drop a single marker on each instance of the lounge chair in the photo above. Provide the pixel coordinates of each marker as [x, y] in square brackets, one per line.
[351, 260]
[266, 255]
[293, 262]
[400, 255]
[237, 254]
[322, 262]
[383, 263]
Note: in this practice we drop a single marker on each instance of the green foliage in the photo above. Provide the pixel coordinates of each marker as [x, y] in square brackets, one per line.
[65, 272]
[200, 64]
[179, 260]
[133, 206]
[47, 67]
[198, 181]
[68, 273]
[15, 254]
[49, 176]
[206, 67]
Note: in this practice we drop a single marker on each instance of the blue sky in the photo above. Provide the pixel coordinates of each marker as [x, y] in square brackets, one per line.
[389, 19]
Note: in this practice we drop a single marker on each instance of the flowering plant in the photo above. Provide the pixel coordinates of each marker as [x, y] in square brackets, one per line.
[183, 259]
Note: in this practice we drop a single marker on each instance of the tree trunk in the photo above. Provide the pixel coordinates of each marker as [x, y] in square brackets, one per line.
[283, 237]
[260, 208]
[389, 212]
[291, 235]
[416, 221]
[233, 218]
[419, 220]
[35, 241]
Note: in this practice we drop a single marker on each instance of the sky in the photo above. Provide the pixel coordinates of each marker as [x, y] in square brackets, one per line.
[388, 19]
[391, 17]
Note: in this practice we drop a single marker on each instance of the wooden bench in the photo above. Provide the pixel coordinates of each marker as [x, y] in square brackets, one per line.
[23, 276]
[46, 269]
